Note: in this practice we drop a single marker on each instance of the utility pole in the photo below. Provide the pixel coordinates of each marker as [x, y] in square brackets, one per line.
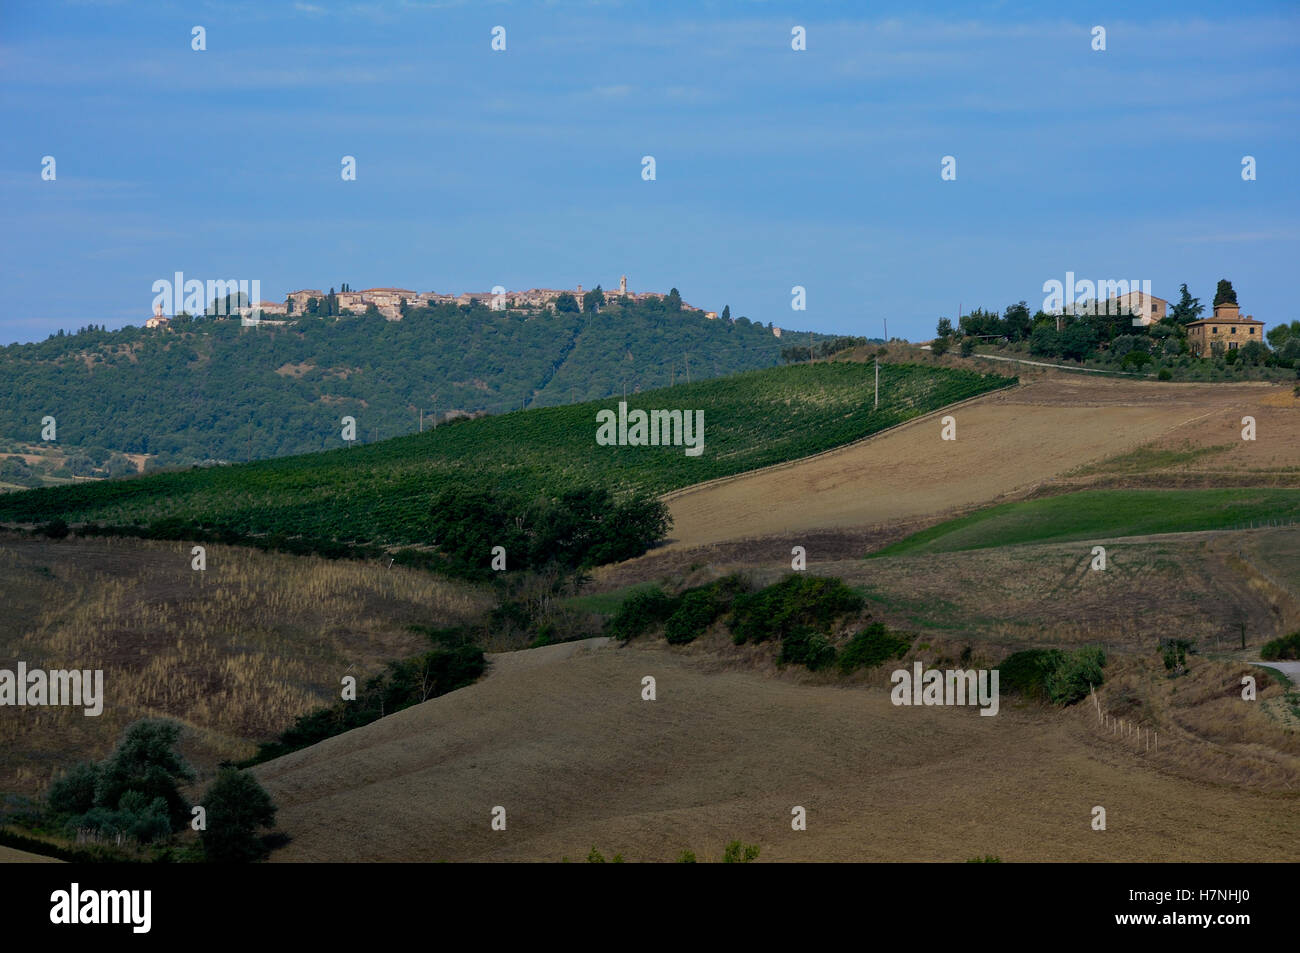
[421, 420]
[886, 320]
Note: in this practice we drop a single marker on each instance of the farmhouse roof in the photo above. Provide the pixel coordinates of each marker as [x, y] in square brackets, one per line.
[1246, 320]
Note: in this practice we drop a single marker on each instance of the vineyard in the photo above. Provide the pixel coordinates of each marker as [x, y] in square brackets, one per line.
[381, 492]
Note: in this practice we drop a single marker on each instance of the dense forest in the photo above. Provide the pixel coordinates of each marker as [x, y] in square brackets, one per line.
[207, 389]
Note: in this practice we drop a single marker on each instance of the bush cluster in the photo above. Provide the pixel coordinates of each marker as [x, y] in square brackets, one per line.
[135, 795]
[798, 612]
[873, 646]
[579, 529]
[1286, 647]
[1052, 675]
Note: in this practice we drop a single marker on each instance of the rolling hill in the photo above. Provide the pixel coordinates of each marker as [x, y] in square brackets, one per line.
[381, 493]
[207, 389]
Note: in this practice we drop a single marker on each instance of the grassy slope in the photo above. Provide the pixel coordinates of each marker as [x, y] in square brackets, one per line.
[381, 491]
[1102, 514]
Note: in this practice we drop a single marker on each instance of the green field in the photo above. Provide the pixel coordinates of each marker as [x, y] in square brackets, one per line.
[1100, 515]
[381, 492]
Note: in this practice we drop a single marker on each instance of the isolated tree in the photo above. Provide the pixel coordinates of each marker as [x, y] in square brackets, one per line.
[1254, 352]
[1224, 293]
[593, 300]
[146, 762]
[1016, 321]
[674, 300]
[944, 328]
[1279, 335]
[1078, 340]
[726, 312]
[238, 808]
[1045, 341]
[1187, 309]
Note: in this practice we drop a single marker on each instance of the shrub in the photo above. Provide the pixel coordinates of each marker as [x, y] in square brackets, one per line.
[737, 853]
[873, 646]
[73, 792]
[967, 347]
[640, 612]
[237, 809]
[797, 601]
[697, 609]
[1025, 673]
[939, 346]
[986, 859]
[805, 646]
[1077, 672]
[1165, 374]
[686, 857]
[55, 529]
[136, 817]
[1286, 647]
[1174, 654]
[1052, 675]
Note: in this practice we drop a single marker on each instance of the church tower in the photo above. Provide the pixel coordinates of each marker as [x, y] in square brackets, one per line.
[622, 285]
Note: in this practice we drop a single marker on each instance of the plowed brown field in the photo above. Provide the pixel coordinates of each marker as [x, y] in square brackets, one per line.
[562, 740]
[1008, 444]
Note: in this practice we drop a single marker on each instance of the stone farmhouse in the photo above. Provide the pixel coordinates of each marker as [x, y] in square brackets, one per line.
[1227, 327]
[1146, 308]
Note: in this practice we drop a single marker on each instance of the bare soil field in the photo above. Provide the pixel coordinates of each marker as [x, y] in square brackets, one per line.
[577, 759]
[1009, 445]
[234, 652]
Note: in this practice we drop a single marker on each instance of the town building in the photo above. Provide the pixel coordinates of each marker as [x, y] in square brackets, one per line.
[159, 320]
[1227, 326]
[388, 300]
[300, 298]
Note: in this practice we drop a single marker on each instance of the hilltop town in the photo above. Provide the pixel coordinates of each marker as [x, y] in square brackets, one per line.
[393, 303]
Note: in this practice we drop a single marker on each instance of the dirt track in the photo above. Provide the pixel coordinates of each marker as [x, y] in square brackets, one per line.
[1007, 444]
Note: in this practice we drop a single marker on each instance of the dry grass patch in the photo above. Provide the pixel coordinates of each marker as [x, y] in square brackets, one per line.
[235, 652]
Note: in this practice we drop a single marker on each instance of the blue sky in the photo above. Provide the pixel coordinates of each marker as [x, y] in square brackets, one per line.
[775, 168]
